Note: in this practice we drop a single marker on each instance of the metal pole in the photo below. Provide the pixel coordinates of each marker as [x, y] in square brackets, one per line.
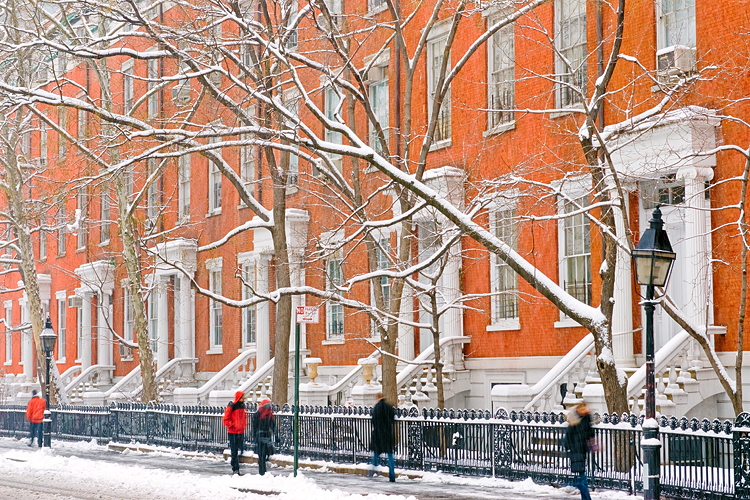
[47, 413]
[651, 444]
[296, 397]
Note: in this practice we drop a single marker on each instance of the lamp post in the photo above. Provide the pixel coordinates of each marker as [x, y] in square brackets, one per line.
[653, 258]
[48, 338]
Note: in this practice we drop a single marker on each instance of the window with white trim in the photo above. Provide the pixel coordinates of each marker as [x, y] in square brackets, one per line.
[435, 54]
[62, 230]
[216, 312]
[334, 310]
[8, 332]
[128, 324]
[383, 251]
[62, 310]
[291, 105]
[504, 280]
[152, 196]
[332, 110]
[676, 23]
[248, 163]
[153, 319]
[43, 143]
[153, 77]
[379, 101]
[501, 63]
[570, 40]
[83, 206]
[249, 316]
[79, 333]
[62, 123]
[376, 5]
[104, 214]
[42, 244]
[183, 165]
[293, 8]
[575, 255]
[127, 86]
[214, 181]
[81, 122]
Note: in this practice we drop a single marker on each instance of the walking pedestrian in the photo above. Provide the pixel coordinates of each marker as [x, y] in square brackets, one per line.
[35, 416]
[235, 420]
[383, 438]
[264, 428]
[577, 440]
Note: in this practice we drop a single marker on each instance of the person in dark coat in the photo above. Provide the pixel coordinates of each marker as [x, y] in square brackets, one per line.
[383, 438]
[235, 420]
[264, 428]
[35, 416]
[577, 441]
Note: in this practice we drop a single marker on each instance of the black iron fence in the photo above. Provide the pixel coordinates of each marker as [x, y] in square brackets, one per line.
[700, 459]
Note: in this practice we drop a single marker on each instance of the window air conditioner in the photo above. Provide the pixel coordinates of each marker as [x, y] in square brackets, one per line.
[181, 93]
[676, 60]
[75, 301]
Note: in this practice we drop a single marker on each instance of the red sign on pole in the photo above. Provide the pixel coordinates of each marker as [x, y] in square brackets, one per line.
[307, 314]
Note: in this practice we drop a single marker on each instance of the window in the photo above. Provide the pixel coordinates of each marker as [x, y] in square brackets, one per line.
[214, 179]
[62, 122]
[502, 68]
[293, 169]
[153, 79]
[248, 162]
[42, 244]
[332, 101]
[79, 334]
[8, 332]
[128, 326]
[82, 233]
[62, 63]
[576, 255]
[24, 328]
[435, 53]
[43, 143]
[248, 313]
[104, 218]
[291, 42]
[335, 311]
[153, 320]
[335, 9]
[667, 190]
[184, 188]
[62, 230]
[504, 280]
[384, 262]
[61, 320]
[376, 5]
[152, 202]
[81, 122]
[215, 332]
[127, 86]
[570, 39]
[379, 102]
[677, 23]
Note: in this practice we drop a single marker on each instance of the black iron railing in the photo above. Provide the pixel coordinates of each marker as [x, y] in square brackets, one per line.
[700, 459]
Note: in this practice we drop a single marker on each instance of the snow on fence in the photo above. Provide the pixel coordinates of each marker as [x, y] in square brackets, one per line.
[700, 459]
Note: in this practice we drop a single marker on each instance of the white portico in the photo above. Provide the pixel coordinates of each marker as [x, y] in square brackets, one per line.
[97, 281]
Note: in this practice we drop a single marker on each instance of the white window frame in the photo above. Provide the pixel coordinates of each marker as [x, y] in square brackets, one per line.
[128, 322]
[376, 6]
[152, 195]
[501, 86]
[81, 121]
[82, 233]
[62, 230]
[128, 83]
[216, 311]
[42, 244]
[662, 19]
[334, 310]
[573, 189]
[105, 213]
[291, 103]
[62, 123]
[183, 165]
[152, 70]
[153, 316]
[500, 211]
[8, 304]
[292, 42]
[565, 95]
[43, 143]
[62, 315]
[437, 38]
[214, 182]
[377, 86]
[248, 266]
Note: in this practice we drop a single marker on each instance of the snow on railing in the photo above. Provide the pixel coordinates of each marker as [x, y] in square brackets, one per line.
[231, 376]
[258, 386]
[409, 380]
[90, 378]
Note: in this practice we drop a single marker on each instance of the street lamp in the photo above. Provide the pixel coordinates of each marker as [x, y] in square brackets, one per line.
[653, 261]
[48, 338]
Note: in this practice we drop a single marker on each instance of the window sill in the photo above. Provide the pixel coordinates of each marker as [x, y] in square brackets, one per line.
[60, 361]
[291, 190]
[568, 323]
[504, 325]
[333, 342]
[377, 11]
[246, 348]
[104, 243]
[499, 129]
[77, 361]
[567, 111]
[441, 145]
[80, 249]
[60, 255]
[8, 363]
[213, 213]
[126, 359]
[215, 350]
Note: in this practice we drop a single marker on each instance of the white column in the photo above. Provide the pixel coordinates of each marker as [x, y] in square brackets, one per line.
[162, 324]
[263, 333]
[622, 315]
[697, 261]
[103, 335]
[183, 348]
[452, 319]
[27, 337]
[86, 330]
[406, 332]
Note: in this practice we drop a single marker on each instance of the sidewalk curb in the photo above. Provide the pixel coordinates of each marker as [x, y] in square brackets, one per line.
[280, 461]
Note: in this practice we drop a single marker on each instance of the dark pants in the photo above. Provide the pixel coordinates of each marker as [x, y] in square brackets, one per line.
[35, 431]
[580, 482]
[235, 446]
[264, 451]
[391, 465]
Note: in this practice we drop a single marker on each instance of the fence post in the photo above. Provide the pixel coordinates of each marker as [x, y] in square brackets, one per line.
[741, 448]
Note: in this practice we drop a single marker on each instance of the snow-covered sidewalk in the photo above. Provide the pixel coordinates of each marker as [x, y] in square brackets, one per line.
[73, 471]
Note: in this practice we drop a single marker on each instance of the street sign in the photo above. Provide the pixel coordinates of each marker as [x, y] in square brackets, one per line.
[307, 314]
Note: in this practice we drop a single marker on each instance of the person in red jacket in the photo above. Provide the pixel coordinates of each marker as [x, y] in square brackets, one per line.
[235, 420]
[35, 416]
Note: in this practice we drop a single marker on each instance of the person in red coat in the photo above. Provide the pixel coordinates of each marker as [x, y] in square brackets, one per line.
[235, 420]
[35, 416]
